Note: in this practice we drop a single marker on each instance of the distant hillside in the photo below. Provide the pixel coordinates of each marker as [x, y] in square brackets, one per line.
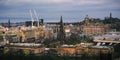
[111, 20]
[115, 23]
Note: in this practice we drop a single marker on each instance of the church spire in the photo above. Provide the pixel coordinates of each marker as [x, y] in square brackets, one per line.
[61, 21]
[110, 15]
[9, 23]
[61, 32]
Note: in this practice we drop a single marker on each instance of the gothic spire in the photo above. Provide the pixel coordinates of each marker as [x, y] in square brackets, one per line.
[61, 21]
[110, 15]
[9, 23]
[61, 33]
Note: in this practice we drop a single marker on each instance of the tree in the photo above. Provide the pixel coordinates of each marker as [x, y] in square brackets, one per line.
[74, 39]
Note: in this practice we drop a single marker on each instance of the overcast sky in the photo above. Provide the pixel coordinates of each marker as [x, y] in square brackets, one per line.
[51, 10]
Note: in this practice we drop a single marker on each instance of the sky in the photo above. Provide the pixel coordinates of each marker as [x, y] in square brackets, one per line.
[51, 10]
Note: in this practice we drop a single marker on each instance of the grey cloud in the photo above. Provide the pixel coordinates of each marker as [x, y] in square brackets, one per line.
[52, 9]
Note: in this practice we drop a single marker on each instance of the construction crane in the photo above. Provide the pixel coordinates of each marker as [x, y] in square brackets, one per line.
[36, 16]
[31, 17]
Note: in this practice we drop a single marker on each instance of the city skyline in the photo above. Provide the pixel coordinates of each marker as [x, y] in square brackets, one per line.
[51, 10]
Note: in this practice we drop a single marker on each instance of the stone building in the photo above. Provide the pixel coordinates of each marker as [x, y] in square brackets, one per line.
[66, 50]
[94, 27]
[70, 50]
[31, 34]
[24, 47]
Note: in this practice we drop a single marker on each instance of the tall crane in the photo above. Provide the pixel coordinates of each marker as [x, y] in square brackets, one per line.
[36, 16]
[31, 17]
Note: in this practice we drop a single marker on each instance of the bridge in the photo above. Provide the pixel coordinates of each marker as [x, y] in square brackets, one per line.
[107, 42]
[110, 38]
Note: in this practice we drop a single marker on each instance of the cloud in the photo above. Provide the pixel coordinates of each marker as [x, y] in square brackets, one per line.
[52, 9]
[11, 2]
